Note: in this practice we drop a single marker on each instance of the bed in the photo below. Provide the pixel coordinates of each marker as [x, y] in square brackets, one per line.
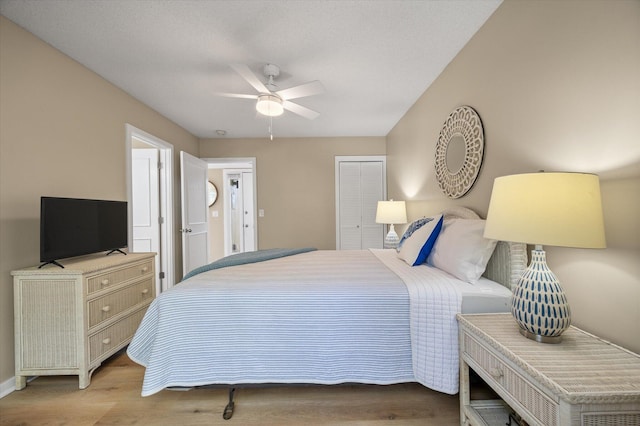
[326, 316]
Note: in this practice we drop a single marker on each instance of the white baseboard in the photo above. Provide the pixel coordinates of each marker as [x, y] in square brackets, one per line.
[7, 387]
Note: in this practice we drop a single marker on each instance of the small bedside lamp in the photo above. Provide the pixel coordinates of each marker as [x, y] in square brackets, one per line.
[390, 213]
[558, 209]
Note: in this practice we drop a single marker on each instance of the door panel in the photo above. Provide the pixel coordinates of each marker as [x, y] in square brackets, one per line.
[247, 206]
[146, 203]
[350, 206]
[371, 183]
[195, 247]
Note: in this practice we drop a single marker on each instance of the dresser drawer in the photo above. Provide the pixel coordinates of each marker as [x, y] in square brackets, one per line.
[109, 279]
[115, 336]
[520, 389]
[112, 304]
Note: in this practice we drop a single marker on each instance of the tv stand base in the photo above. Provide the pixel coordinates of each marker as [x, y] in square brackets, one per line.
[116, 250]
[52, 262]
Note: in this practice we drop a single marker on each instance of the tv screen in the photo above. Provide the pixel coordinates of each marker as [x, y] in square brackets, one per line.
[72, 227]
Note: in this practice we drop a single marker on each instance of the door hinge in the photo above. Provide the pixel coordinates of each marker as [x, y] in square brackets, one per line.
[161, 275]
[161, 220]
[160, 165]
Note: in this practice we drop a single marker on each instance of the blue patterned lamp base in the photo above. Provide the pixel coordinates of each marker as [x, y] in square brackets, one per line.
[539, 304]
[391, 240]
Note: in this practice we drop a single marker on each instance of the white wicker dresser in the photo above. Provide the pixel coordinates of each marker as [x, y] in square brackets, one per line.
[67, 321]
[583, 380]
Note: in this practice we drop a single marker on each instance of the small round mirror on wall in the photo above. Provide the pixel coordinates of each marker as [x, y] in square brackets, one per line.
[212, 193]
[455, 153]
[459, 152]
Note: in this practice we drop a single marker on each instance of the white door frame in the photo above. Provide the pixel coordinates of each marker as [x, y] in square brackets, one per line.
[239, 163]
[356, 158]
[165, 152]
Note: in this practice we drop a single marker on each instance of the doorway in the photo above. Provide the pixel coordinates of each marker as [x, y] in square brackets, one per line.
[232, 218]
[150, 201]
[239, 218]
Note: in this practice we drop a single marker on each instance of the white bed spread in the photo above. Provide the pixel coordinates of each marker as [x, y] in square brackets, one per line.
[321, 317]
[434, 300]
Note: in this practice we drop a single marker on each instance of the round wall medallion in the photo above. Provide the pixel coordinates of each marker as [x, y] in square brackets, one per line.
[459, 152]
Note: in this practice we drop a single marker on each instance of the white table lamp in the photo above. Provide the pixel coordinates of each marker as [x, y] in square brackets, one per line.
[391, 213]
[558, 209]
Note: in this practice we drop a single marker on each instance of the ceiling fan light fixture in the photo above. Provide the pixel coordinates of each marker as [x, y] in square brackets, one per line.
[269, 105]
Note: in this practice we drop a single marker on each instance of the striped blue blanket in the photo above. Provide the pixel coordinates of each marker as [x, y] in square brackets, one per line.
[324, 317]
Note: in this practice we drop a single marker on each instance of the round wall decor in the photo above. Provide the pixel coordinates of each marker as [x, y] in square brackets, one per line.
[212, 193]
[459, 151]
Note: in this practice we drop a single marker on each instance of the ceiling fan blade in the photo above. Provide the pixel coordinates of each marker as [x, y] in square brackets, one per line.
[300, 110]
[307, 89]
[251, 78]
[235, 95]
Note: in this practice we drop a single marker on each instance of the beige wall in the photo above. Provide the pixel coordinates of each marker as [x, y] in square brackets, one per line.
[557, 85]
[62, 133]
[295, 184]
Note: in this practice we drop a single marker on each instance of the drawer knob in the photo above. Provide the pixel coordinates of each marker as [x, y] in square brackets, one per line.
[106, 340]
[106, 308]
[145, 269]
[104, 282]
[496, 372]
[145, 291]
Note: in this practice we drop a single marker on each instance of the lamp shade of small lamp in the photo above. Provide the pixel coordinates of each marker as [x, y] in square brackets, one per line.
[391, 213]
[557, 209]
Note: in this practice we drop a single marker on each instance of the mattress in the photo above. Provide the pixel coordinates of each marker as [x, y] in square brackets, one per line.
[484, 297]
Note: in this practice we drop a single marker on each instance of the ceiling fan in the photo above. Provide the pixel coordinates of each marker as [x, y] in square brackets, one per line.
[271, 101]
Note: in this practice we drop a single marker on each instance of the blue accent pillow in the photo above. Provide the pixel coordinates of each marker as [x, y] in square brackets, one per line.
[421, 238]
[413, 227]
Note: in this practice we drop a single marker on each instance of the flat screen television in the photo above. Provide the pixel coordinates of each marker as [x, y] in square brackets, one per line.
[73, 227]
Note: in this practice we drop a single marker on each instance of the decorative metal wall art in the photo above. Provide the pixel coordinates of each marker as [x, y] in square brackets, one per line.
[459, 151]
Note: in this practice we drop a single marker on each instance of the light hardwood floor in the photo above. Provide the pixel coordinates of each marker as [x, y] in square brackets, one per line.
[113, 398]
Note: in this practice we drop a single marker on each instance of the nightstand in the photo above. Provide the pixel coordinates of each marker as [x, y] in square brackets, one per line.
[583, 380]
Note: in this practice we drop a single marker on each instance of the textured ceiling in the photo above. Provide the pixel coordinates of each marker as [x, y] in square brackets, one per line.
[375, 58]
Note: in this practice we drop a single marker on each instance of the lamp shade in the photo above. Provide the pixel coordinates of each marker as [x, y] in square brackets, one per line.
[391, 212]
[557, 209]
[269, 105]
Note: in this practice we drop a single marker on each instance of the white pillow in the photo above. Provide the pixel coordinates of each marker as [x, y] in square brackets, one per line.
[419, 240]
[461, 250]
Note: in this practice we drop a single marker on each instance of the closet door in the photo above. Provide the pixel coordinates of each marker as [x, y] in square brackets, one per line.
[360, 186]
[371, 191]
[350, 206]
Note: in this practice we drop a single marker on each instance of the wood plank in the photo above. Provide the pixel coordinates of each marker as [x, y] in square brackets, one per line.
[113, 398]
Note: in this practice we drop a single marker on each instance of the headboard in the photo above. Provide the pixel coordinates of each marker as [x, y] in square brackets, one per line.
[509, 260]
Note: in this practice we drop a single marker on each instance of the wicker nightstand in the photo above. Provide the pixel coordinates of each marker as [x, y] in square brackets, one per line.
[583, 380]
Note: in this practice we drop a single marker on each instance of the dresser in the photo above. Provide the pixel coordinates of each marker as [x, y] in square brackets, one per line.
[68, 320]
[583, 380]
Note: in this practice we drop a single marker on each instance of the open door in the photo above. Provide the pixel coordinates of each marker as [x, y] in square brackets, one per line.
[145, 197]
[195, 247]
